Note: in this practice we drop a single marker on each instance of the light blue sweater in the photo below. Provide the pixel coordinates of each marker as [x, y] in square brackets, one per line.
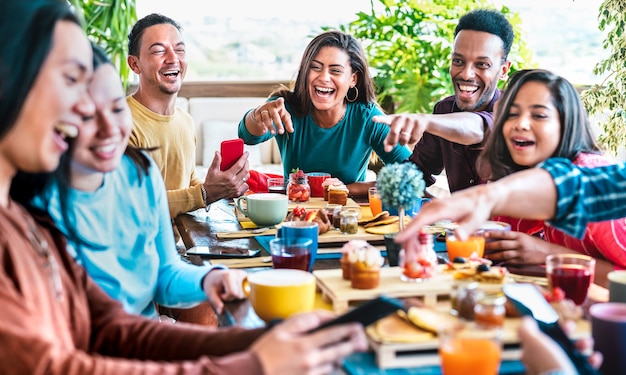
[131, 252]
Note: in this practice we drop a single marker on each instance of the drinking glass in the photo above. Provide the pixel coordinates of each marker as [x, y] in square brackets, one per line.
[276, 185]
[475, 243]
[573, 273]
[471, 349]
[291, 252]
[376, 204]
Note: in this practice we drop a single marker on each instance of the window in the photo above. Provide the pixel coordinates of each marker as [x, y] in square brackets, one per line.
[264, 40]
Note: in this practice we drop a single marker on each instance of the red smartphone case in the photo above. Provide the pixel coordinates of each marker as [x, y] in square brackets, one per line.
[231, 150]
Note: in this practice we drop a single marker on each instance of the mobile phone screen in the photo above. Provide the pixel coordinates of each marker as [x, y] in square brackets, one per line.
[231, 151]
[367, 313]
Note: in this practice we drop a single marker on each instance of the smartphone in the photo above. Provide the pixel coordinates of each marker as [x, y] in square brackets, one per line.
[205, 251]
[231, 151]
[528, 300]
[367, 313]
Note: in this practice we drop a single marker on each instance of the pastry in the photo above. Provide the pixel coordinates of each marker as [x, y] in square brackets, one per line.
[338, 194]
[348, 256]
[328, 182]
[364, 261]
[477, 269]
[317, 216]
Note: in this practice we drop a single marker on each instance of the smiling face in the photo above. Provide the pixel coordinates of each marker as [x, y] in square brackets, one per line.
[162, 61]
[532, 129]
[330, 77]
[476, 68]
[102, 139]
[54, 107]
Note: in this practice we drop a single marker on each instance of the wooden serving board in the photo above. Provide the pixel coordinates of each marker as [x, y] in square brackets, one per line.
[424, 353]
[340, 294]
[334, 236]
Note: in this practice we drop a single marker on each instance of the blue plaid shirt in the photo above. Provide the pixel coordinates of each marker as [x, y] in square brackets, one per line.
[586, 194]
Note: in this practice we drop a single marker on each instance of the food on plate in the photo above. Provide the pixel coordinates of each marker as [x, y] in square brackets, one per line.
[566, 308]
[395, 329]
[379, 217]
[477, 269]
[338, 194]
[431, 320]
[328, 182]
[360, 263]
[318, 216]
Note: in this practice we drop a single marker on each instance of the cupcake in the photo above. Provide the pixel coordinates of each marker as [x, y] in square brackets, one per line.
[338, 194]
[328, 182]
[363, 261]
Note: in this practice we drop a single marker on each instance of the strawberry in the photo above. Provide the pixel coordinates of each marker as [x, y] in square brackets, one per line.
[310, 216]
[558, 294]
[299, 211]
[413, 270]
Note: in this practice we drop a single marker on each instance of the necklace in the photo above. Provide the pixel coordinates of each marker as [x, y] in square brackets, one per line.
[40, 244]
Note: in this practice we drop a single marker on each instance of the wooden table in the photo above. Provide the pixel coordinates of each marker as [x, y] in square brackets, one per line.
[200, 228]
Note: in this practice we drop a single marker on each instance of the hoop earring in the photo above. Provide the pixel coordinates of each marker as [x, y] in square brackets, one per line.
[356, 94]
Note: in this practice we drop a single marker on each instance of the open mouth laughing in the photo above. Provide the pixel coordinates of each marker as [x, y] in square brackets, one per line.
[66, 130]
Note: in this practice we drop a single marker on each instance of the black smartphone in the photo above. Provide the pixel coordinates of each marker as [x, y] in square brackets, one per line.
[367, 313]
[205, 251]
[529, 301]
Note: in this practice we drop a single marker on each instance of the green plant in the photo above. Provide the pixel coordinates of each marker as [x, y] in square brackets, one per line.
[401, 185]
[607, 97]
[409, 43]
[107, 23]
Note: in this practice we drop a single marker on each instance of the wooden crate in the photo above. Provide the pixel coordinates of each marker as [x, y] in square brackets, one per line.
[340, 294]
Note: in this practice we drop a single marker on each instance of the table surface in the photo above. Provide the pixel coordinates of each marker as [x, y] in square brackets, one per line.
[200, 228]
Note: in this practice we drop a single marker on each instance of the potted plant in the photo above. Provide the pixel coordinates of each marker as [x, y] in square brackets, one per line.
[606, 99]
[401, 186]
[108, 23]
[408, 44]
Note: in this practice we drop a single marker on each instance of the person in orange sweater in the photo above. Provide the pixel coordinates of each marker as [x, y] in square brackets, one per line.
[54, 318]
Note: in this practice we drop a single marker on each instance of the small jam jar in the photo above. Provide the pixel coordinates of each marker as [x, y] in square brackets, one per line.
[489, 310]
[349, 223]
[298, 188]
[333, 211]
[463, 298]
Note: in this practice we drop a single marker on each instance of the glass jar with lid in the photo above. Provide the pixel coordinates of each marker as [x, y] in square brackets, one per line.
[349, 222]
[298, 189]
[490, 311]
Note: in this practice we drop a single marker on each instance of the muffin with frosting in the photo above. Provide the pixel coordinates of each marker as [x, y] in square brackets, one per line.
[361, 263]
[338, 194]
[328, 182]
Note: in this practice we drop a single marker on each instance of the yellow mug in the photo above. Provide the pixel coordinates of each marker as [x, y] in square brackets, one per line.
[280, 293]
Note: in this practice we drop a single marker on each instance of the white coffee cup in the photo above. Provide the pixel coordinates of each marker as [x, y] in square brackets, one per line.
[264, 209]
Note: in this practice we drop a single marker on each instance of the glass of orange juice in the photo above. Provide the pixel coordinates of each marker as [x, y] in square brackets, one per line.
[376, 204]
[472, 348]
[475, 243]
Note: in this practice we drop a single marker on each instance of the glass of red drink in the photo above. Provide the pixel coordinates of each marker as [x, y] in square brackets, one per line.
[276, 185]
[573, 273]
[291, 252]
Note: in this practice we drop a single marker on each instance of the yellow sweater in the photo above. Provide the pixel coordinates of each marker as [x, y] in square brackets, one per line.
[175, 137]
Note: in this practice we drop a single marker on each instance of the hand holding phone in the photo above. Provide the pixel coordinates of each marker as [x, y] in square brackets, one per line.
[367, 313]
[231, 151]
[529, 301]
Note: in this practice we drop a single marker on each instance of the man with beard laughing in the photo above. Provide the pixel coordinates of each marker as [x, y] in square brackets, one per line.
[452, 136]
